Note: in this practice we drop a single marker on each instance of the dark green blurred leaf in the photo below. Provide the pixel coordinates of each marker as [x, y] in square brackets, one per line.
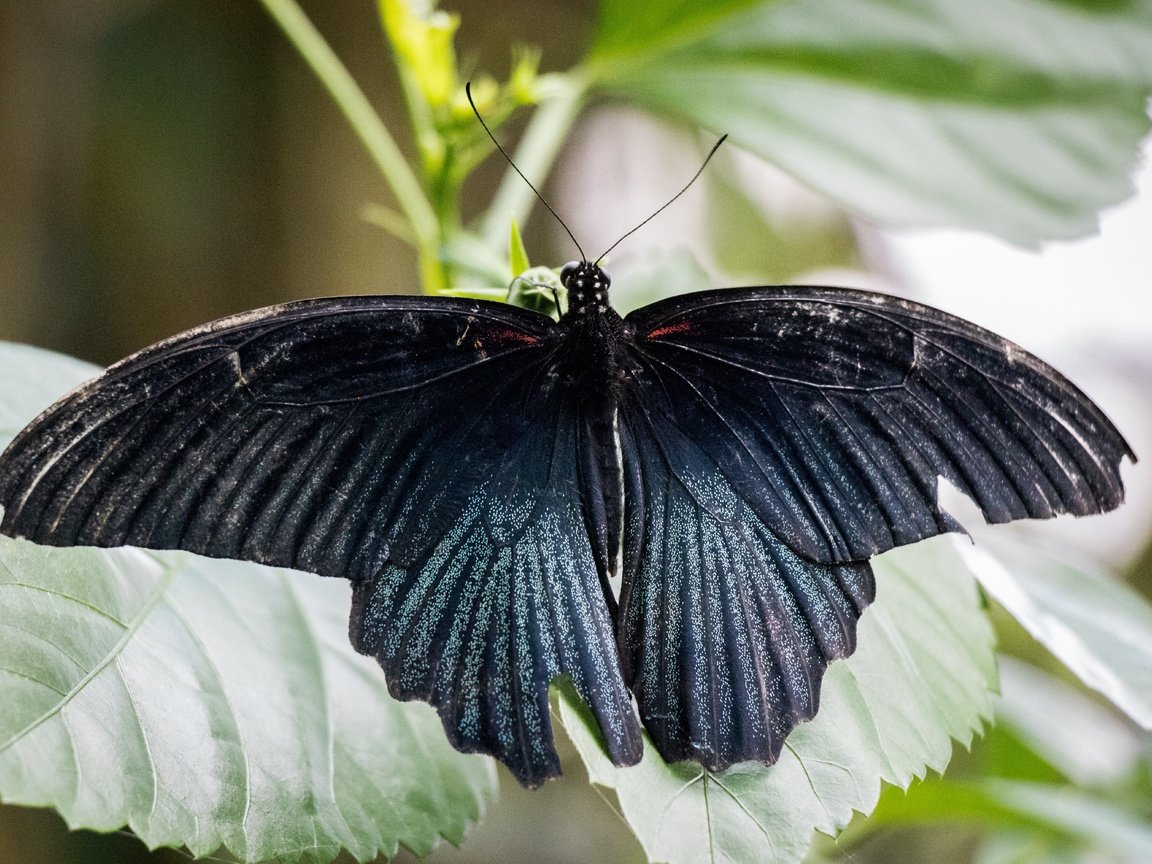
[1059, 817]
[1018, 117]
[623, 26]
[919, 679]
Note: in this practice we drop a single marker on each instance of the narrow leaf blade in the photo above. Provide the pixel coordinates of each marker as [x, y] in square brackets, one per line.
[1095, 625]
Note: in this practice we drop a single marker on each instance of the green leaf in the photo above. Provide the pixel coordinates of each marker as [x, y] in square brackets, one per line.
[213, 703]
[1060, 816]
[1031, 698]
[1019, 117]
[919, 679]
[207, 703]
[517, 254]
[1094, 624]
[624, 25]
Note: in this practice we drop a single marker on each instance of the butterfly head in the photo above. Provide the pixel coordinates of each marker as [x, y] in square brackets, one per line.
[587, 286]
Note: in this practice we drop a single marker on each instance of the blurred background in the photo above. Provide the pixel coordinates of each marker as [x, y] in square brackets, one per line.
[167, 162]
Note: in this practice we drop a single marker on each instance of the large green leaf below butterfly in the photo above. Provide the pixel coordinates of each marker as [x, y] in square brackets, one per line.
[920, 678]
[206, 703]
[1018, 117]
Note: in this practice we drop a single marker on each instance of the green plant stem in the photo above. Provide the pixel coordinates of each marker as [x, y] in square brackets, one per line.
[371, 131]
[546, 133]
[388, 219]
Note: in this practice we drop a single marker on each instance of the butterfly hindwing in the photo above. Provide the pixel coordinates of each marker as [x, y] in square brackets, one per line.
[506, 600]
[417, 446]
[833, 412]
[725, 632]
[254, 436]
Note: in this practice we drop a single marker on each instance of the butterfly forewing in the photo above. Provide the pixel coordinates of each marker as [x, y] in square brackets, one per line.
[253, 415]
[833, 412]
[419, 447]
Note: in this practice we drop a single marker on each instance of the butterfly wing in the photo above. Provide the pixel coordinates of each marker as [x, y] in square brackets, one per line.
[725, 631]
[415, 446]
[776, 438]
[833, 412]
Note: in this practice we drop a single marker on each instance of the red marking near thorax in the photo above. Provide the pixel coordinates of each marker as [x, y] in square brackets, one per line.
[513, 336]
[679, 327]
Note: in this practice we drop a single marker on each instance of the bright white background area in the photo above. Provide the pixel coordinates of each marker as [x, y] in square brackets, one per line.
[1084, 306]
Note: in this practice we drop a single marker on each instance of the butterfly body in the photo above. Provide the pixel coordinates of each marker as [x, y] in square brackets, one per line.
[480, 472]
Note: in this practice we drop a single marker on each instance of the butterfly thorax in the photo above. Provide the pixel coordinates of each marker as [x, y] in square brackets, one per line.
[592, 358]
[587, 287]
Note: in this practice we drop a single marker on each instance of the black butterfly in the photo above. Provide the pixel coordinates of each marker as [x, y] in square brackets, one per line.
[479, 471]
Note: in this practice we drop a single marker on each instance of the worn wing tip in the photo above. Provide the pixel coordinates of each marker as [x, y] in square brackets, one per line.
[532, 763]
[528, 776]
[1128, 451]
[629, 753]
[624, 746]
[616, 728]
[532, 760]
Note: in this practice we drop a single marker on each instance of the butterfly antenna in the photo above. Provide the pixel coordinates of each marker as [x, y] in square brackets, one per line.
[504, 153]
[699, 171]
